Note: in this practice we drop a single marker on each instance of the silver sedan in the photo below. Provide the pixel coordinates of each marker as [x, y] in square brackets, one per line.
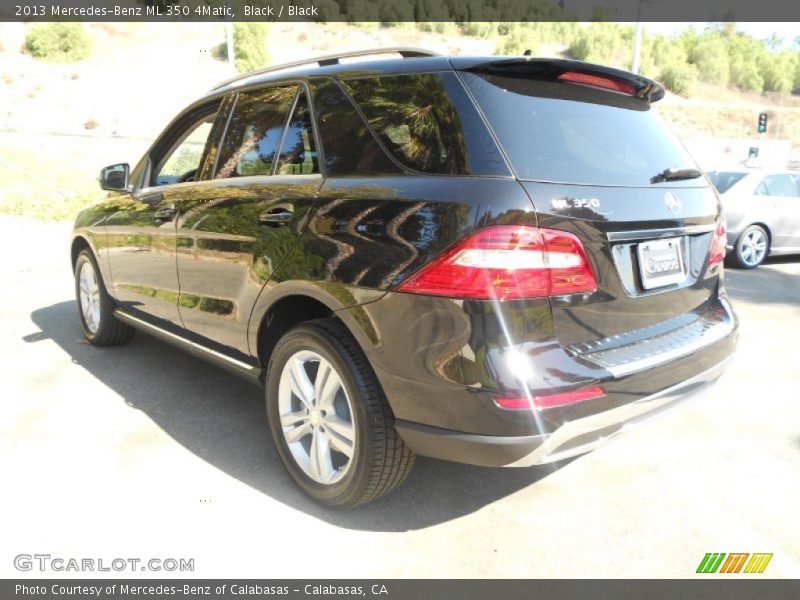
[762, 208]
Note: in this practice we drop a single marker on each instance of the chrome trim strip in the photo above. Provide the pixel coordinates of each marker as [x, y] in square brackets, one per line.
[648, 234]
[136, 322]
[628, 414]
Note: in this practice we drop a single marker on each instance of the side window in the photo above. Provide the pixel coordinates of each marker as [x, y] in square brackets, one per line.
[349, 147]
[254, 131]
[181, 164]
[777, 185]
[298, 155]
[428, 123]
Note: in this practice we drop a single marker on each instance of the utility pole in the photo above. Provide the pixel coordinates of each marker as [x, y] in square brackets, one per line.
[229, 40]
[637, 40]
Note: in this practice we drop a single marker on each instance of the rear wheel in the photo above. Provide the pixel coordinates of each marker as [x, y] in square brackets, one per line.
[331, 423]
[751, 248]
[95, 306]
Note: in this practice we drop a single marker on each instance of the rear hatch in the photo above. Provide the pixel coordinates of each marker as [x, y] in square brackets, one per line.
[596, 161]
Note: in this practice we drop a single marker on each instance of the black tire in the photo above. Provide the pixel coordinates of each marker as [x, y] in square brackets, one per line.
[381, 461]
[743, 255]
[109, 331]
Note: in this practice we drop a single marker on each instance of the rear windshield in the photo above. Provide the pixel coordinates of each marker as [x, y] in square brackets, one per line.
[725, 180]
[574, 134]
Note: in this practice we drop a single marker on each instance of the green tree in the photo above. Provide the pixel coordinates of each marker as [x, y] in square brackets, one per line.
[249, 45]
[58, 42]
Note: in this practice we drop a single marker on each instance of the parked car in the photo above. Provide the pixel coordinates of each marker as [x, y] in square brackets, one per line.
[499, 261]
[762, 208]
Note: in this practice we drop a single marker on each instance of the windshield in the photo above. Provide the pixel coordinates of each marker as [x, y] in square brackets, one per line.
[725, 180]
[576, 134]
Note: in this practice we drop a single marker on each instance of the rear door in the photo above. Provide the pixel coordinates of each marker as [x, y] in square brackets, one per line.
[589, 157]
[232, 236]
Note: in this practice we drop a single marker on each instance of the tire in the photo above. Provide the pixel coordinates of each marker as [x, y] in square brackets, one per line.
[349, 404]
[751, 248]
[96, 307]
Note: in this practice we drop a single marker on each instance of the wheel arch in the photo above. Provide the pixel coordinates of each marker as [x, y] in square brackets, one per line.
[288, 305]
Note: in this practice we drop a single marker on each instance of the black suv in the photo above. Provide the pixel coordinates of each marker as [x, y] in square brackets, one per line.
[493, 260]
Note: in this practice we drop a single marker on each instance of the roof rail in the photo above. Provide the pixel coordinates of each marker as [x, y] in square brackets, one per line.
[332, 59]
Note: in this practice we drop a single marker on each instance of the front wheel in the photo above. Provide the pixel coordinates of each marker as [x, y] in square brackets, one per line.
[96, 307]
[751, 248]
[331, 423]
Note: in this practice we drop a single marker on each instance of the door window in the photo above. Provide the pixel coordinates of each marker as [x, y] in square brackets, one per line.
[182, 162]
[778, 185]
[298, 154]
[254, 132]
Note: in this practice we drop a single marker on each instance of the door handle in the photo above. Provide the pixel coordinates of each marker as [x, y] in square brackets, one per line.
[276, 217]
[164, 214]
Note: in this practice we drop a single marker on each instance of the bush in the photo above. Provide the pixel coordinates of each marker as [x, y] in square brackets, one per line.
[711, 57]
[680, 78]
[249, 46]
[58, 42]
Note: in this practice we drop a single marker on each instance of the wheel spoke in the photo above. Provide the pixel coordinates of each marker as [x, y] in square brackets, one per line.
[340, 443]
[326, 384]
[321, 465]
[297, 433]
[294, 418]
[301, 386]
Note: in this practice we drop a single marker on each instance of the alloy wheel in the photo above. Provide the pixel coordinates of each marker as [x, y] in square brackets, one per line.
[89, 296]
[754, 247]
[316, 417]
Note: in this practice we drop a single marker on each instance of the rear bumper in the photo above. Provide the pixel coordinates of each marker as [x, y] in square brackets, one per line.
[572, 438]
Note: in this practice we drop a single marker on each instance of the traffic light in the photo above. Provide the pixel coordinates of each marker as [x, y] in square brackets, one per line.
[762, 123]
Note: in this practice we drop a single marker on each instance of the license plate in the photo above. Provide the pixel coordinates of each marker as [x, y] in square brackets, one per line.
[661, 262]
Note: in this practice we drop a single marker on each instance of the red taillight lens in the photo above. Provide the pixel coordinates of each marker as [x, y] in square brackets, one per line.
[551, 400]
[717, 253]
[606, 83]
[507, 262]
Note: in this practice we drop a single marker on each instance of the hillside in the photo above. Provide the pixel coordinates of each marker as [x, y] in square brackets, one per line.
[107, 107]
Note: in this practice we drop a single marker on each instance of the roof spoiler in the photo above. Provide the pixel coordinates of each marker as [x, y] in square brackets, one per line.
[574, 72]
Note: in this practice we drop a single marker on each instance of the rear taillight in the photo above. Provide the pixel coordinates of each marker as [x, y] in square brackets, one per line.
[507, 262]
[717, 253]
[598, 81]
[550, 400]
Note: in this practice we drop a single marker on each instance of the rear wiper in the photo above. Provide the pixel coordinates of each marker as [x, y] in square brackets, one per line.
[673, 174]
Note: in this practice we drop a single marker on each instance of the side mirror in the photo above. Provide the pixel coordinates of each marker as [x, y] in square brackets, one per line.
[115, 177]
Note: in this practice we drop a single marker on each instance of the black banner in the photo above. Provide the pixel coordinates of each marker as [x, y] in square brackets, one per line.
[401, 10]
[607, 589]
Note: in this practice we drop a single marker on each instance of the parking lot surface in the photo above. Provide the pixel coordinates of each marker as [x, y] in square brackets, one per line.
[143, 451]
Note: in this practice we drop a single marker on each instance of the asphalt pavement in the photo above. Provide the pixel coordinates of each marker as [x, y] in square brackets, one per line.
[143, 451]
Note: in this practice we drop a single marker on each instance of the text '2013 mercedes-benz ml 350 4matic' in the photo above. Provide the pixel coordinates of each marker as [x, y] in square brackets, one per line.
[499, 261]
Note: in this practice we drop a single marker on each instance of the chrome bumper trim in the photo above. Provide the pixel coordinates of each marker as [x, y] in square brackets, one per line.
[625, 417]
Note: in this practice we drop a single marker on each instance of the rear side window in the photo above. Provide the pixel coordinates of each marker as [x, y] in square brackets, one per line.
[725, 180]
[349, 147]
[254, 132]
[593, 137]
[298, 155]
[428, 123]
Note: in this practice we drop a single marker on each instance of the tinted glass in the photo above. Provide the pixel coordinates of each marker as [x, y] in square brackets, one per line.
[724, 181]
[778, 185]
[298, 154]
[348, 146]
[254, 132]
[575, 134]
[428, 123]
[184, 161]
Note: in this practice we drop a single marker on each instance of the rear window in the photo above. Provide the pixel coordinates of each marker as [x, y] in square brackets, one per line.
[725, 180]
[428, 123]
[574, 134]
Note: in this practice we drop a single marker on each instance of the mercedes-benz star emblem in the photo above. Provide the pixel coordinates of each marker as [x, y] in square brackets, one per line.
[673, 203]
